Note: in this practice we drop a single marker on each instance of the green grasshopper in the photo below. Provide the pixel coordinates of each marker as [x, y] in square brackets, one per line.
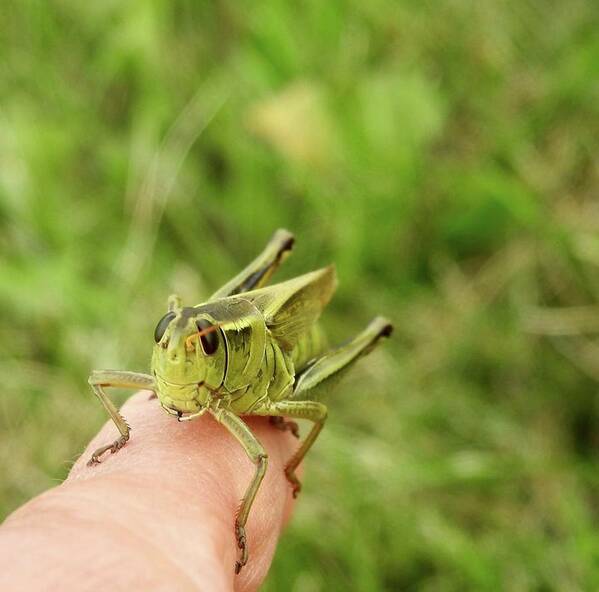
[249, 350]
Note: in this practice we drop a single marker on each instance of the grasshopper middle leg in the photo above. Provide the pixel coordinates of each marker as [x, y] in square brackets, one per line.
[312, 410]
[121, 379]
[322, 373]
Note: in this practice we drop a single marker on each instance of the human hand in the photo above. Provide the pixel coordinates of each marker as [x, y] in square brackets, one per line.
[159, 515]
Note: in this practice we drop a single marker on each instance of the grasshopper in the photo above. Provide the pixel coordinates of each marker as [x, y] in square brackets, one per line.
[249, 350]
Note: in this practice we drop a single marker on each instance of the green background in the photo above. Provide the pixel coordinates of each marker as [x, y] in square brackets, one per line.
[443, 154]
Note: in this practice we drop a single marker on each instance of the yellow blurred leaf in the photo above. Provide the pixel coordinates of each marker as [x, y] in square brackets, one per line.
[295, 123]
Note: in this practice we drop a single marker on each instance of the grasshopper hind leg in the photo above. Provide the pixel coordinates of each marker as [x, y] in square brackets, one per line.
[280, 423]
[325, 371]
[259, 271]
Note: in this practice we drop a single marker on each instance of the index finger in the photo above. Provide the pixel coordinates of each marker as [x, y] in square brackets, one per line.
[177, 487]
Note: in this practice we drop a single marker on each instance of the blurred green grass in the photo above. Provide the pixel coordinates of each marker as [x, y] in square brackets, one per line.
[444, 155]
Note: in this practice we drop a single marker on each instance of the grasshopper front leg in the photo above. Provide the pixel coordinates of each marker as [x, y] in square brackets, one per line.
[258, 456]
[120, 379]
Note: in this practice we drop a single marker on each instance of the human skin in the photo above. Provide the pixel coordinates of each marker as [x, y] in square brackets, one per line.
[158, 515]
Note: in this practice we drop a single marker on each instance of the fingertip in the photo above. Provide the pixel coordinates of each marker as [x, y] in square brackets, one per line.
[197, 470]
[140, 399]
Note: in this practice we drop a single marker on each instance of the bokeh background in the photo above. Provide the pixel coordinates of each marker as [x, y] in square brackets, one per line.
[443, 154]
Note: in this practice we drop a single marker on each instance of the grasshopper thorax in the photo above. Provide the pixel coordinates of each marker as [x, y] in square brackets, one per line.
[189, 359]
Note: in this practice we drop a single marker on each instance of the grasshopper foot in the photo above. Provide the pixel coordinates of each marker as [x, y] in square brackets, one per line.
[281, 424]
[295, 482]
[242, 544]
[114, 447]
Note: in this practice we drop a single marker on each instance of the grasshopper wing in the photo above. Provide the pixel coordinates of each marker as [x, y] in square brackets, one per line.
[291, 307]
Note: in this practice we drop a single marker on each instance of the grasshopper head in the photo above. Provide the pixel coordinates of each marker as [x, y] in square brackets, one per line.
[189, 358]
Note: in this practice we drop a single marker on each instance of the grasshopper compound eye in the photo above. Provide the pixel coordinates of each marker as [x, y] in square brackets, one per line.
[163, 323]
[208, 336]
